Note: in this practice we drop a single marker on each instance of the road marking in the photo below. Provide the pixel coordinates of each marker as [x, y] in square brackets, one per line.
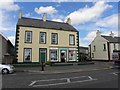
[90, 77]
[115, 73]
[13, 74]
[62, 83]
[33, 82]
[68, 80]
[50, 82]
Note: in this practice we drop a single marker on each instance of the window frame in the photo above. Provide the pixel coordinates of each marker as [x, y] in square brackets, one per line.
[73, 54]
[40, 38]
[104, 47]
[26, 37]
[57, 55]
[92, 55]
[94, 48]
[24, 55]
[114, 45]
[73, 39]
[57, 38]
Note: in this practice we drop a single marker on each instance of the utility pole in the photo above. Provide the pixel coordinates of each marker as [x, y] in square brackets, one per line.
[42, 66]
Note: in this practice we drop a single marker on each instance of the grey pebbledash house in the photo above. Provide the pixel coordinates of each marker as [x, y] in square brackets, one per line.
[6, 50]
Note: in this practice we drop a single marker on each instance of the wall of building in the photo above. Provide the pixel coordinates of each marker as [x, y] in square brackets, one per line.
[99, 53]
[83, 50]
[4, 49]
[63, 42]
[117, 47]
[0, 48]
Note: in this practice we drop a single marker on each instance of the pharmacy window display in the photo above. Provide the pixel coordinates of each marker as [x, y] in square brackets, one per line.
[54, 55]
[72, 55]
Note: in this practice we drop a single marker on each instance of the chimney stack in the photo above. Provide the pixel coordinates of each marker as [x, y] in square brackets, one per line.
[98, 33]
[20, 14]
[111, 34]
[68, 21]
[44, 17]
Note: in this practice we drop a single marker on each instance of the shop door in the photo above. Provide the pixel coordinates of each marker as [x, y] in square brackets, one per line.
[43, 54]
[63, 55]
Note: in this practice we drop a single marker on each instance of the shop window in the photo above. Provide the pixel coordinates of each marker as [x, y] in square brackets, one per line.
[27, 54]
[72, 55]
[54, 55]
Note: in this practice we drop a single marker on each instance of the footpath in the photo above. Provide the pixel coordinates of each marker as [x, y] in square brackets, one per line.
[66, 69]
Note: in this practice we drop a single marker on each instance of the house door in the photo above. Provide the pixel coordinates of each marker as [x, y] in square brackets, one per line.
[63, 55]
[43, 54]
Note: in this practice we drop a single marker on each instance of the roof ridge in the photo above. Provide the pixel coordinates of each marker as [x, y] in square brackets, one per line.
[3, 36]
[46, 20]
[110, 36]
[33, 22]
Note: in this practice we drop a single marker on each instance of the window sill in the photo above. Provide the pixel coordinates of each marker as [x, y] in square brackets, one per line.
[28, 42]
[104, 50]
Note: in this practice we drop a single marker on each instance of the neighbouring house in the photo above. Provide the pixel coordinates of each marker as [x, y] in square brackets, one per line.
[6, 50]
[83, 52]
[41, 40]
[102, 47]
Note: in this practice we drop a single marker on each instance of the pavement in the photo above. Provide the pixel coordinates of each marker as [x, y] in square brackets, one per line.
[66, 69]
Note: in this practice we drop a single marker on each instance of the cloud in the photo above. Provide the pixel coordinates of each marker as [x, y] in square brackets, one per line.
[90, 36]
[59, 1]
[108, 33]
[49, 10]
[57, 20]
[27, 14]
[12, 39]
[110, 21]
[87, 14]
[8, 5]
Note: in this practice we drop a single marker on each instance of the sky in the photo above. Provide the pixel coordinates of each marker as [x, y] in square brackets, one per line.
[87, 17]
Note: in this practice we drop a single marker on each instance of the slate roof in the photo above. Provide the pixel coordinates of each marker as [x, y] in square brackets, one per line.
[38, 23]
[112, 39]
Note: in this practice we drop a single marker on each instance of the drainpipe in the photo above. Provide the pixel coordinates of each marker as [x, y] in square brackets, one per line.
[108, 46]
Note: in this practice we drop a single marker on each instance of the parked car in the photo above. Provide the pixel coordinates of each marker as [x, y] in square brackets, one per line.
[6, 69]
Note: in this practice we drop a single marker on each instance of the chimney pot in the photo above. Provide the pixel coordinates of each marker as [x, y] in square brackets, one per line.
[20, 14]
[44, 17]
[111, 34]
[98, 32]
[68, 21]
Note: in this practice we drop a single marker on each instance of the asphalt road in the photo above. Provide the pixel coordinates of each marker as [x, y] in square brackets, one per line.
[83, 79]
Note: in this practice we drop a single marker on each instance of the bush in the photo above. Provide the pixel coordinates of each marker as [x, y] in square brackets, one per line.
[48, 63]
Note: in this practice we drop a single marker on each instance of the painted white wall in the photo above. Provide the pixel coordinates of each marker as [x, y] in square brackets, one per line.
[99, 54]
[0, 48]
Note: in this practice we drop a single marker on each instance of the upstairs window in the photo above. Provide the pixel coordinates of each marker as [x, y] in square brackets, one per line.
[54, 38]
[114, 46]
[104, 47]
[71, 40]
[42, 37]
[28, 37]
